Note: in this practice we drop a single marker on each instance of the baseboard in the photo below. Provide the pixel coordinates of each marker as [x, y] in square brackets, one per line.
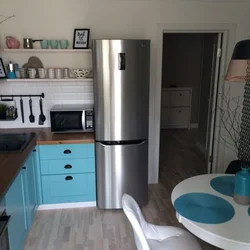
[201, 148]
[67, 205]
[192, 125]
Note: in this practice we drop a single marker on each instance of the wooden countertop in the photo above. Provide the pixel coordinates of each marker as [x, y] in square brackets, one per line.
[47, 138]
[11, 163]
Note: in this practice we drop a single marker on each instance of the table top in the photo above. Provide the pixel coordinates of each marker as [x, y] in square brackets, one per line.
[233, 234]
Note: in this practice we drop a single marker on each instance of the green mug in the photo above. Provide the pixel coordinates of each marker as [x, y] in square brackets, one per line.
[64, 44]
[44, 44]
[54, 44]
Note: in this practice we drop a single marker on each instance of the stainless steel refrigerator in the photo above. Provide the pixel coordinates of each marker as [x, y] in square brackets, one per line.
[121, 89]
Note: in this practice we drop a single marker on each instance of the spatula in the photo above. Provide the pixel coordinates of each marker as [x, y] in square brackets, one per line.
[31, 117]
[42, 117]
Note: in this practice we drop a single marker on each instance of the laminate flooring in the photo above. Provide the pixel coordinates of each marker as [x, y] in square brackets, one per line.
[95, 229]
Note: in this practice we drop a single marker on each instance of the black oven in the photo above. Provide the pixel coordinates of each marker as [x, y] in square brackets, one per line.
[4, 220]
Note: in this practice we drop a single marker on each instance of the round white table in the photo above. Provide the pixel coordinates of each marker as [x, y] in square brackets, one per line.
[234, 234]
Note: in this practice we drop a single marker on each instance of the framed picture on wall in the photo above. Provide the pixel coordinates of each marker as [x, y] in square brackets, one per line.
[81, 39]
[2, 69]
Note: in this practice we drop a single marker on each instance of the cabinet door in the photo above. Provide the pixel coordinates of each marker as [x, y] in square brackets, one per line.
[179, 116]
[180, 98]
[30, 188]
[15, 207]
[68, 188]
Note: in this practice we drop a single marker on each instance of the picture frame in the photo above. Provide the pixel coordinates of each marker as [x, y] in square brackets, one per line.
[81, 38]
[2, 69]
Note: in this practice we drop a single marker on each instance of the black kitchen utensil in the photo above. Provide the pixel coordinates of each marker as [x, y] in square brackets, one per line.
[31, 117]
[21, 106]
[42, 117]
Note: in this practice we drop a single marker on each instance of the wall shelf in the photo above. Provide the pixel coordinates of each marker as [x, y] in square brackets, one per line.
[46, 50]
[51, 80]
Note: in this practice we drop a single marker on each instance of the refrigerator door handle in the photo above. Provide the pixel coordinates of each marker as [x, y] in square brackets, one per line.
[121, 143]
[122, 61]
[83, 120]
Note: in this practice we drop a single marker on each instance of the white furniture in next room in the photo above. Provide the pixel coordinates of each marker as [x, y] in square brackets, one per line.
[176, 107]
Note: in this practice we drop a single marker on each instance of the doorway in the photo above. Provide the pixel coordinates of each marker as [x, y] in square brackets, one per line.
[190, 76]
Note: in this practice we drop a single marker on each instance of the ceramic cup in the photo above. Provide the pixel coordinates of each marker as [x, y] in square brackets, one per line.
[59, 73]
[54, 44]
[44, 44]
[32, 73]
[23, 72]
[64, 44]
[51, 73]
[66, 72]
[42, 72]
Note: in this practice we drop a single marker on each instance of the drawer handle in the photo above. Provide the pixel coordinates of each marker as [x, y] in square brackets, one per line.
[67, 166]
[179, 111]
[68, 178]
[180, 94]
[67, 151]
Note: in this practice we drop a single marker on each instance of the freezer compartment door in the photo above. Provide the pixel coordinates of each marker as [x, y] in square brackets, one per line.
[121, 89]
[121, 169]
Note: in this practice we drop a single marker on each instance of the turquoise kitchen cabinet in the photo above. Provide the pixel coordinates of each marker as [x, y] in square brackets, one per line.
[68, 188]
[29, 169]
[21, 203]
[72, 166]
[66, 151]
[15, 207]
[67, 173]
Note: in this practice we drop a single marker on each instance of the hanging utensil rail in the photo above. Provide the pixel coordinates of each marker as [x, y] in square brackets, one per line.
[12, 96]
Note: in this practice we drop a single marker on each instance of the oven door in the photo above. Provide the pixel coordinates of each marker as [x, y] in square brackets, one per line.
[4, 239]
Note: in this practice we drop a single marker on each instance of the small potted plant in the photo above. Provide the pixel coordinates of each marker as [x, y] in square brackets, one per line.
[3, 108]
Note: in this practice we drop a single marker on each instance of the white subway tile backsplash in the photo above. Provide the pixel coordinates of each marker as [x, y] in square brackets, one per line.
[88, 89]
[72, 89]
[55, 93]
[64, 96]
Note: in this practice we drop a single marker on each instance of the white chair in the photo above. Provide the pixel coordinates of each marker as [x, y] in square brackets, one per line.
[152, 237]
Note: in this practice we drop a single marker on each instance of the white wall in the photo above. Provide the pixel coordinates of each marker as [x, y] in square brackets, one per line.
[120, 19]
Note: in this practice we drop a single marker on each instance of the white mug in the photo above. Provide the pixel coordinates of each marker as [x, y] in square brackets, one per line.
[32, 73]
[42, 72]
[59, 73]
[23, 72]
[51, 73]
[66, 72]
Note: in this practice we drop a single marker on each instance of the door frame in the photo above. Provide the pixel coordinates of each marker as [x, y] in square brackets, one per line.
[228, 31]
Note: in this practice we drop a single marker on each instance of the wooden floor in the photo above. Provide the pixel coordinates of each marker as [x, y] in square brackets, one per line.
[94, 229]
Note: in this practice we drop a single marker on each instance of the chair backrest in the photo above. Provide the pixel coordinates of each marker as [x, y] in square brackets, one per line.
[134, 215]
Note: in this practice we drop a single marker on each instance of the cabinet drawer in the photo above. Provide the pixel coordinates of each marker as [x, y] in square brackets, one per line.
[66, 151]
[176, 98]
[68, 188]
[178, 115]
[71, 166]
